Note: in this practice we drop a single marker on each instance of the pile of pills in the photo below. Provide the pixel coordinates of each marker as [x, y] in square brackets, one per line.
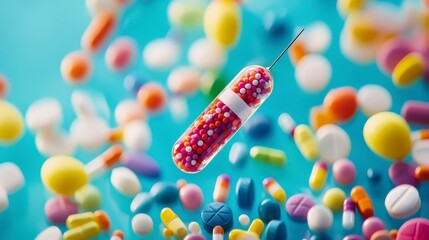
[239, 204]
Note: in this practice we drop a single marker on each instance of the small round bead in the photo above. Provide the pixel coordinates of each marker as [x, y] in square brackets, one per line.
[76, 67]
[244, 220]
[142, 224]
[372, 225]
[194, 227]
[344, 171]
[374, 175]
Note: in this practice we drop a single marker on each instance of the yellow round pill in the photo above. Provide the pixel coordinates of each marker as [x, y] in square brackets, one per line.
[11, 122]
[63, 175]
[388, 135]
[222, 22]
[334, 199]
[408, 70]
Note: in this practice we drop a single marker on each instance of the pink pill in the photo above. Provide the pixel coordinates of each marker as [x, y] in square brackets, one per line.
[372, 225]
[298, 206]
[414, 229]
[344, 171]
[391, 53]
[191, 196]
[403, 173]
[57, 209]
[416, 112]
[121, 53]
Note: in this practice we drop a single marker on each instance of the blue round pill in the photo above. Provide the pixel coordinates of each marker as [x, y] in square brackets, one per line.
[164, 192]
[258, 126]
[276, 230]
[141, 203]
[217, 214]
[373, 175]
[269, 210]
[245, 191]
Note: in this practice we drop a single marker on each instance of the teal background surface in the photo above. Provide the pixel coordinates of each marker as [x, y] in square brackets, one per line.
[36, 35]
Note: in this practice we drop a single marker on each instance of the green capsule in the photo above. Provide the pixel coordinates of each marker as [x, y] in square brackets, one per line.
[268, 155]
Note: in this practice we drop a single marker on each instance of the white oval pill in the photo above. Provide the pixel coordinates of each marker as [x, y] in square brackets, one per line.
[56, 143]
[194, 227]
[128, 110]
[373, 99]
[142, 224]
[125, 181]
[201, 49]
[50, 233]
[90, 133]
[313, 72]
[402, 201]
[317, 37]
[334, 143]
[11, 177]
[137, 136]
[420, 152]
[286, 123]
[4, 201]
[44, 115]
[161, 53]
[319, 218]
[184, 80]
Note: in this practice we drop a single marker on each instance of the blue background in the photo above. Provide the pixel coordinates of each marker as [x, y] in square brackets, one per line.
[36, 35]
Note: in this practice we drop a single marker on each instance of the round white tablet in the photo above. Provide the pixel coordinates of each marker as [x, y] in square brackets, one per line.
[194, 227]
[50, 233]
[137, 136]
[44, 115]
[56, 143]
[142, 224]
[420, 152]
[317, 37]
[373, 99]
[313, 72]
[4, 201]
[90, 133]
[206, 54]
[161, 53]
[128, 110]
[319, 218]
[11, 177]
[125, 181]
[334, 143]
[402, 201]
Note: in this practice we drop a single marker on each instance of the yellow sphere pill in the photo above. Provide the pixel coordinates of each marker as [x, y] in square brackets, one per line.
[11, 123]
[306, 142]
[388, 135]
[334, 199]
[408, 70]
[63, 175]
[222, 22]
[85, 231]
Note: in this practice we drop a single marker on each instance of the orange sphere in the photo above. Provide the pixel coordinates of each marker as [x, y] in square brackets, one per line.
[341, 103]
[76, 67]
[4, 86]
[152, 96]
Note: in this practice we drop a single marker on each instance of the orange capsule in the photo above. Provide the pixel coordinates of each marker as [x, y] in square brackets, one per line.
[341, 103]
[319, 117]
[98, 31]
[152, 97]
[362, 201]
[296, 52]
[422, 173]
[393, 233]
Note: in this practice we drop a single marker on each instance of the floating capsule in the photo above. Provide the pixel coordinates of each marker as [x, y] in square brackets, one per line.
[105, 161]
[186, 13]
[85, 231]
[274, 189]
[222, 22]
[348, 221]
[80, 219]
[221, 191]
[318, 175]
[362, 201]
[98, 31]
[306, 142]
[11, 123]
[173, 222]
[161, 53]
[121, 53]
[268, 155]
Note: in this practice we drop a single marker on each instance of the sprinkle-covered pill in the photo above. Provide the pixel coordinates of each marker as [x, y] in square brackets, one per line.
[217, 214]
[402, 201]
[298, 206]
[268, 155]
[245, 191]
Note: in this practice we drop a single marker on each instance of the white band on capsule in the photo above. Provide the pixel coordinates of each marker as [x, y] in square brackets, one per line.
[236, 104]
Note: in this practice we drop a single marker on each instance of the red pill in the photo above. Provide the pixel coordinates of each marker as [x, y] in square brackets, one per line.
[152, 97]
[121, 53]
[76, 67]
[341, 103]
[98, 31]
[4, 86]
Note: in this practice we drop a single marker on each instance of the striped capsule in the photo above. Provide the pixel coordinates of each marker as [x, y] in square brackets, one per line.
[117, 235]
[105, 161]
[274, 189]
[221, 191]
[318, 175]
[99, 217]
[268, 155]
[362, 201]
[173, 222]
[218, 233]
[348, 214]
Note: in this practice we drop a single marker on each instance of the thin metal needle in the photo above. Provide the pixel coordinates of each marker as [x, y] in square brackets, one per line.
[284, 50]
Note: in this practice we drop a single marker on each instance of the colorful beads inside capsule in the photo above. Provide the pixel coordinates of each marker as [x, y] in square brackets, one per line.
[222, 119]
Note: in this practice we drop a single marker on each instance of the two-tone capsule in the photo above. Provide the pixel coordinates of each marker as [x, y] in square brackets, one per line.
[362, 201]
[274, 189]
[173, 222]
[348, 220]
[221, 191]
[318, 175]
[105, 161]
[268, 155]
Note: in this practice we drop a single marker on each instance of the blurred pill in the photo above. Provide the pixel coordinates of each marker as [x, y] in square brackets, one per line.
[141, 203]
[258, 126]
[121, 53]
[50, 233]
[372, 225]
[313, 72]
[141, 163]
[200, 49]
[125, 181]
[238, 154]
[416, 112]
[44, 115]
[4, 86]
[317, 37]
[164, 192]
[186, 13]
[99, 30]
[373, 99]
[276, 25]
[54, 143]
[76, 67]
[341, 103]
[161, 53]
[420, 152]
[183, 80]
[286, 123]
[179, 108]
[142, 224]
[408, 70]
[88, 197]
[11, 177]
[57, 209]
[402, 202]
[152, 97]
[96, 6]
[128, 111]
[334, 143]
[137, 136]
[191, 196]
[4, 200]
[133, 83]
[403, 173]
[319, 218]
[319, 117]
[89, 133]
[391, 53]
[344, 171]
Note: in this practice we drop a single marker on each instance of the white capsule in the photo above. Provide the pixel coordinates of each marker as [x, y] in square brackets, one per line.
[348, 221]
